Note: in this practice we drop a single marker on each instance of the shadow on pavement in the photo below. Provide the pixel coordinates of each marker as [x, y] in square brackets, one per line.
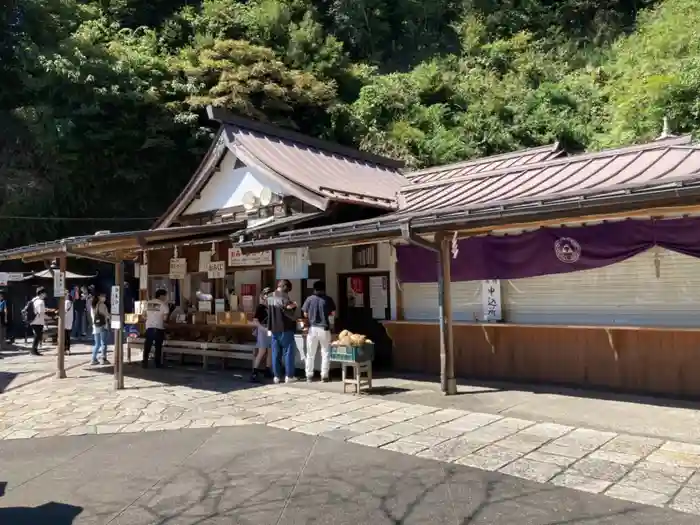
[5, 379]
[51, 513]
[219, 381]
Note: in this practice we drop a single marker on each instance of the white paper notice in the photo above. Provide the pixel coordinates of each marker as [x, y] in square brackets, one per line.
[237, 258]
[114, 301]
[178, 268]
[216, 270]
[378, 296]
[143, 277]
[204, 260]
[292, 263]
[491, 300]
[59, 283]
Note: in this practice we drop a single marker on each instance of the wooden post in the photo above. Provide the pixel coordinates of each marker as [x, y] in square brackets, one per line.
[119, 332]
[448, 383]
[61, 339]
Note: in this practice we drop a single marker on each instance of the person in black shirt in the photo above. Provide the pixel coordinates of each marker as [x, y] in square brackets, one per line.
[317, 309]
[263, 340]
[281, 326]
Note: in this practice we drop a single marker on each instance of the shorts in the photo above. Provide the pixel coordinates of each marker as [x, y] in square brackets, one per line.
[262, 339]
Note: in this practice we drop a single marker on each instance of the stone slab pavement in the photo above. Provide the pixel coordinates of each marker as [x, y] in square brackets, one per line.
[649, 470]
[18, 367]
[616, 412]
[264, 476]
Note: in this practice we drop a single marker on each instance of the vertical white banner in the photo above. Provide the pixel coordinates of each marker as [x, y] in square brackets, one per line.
[491, 300]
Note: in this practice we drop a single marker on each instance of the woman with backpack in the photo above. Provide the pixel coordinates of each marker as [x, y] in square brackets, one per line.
[100, 327]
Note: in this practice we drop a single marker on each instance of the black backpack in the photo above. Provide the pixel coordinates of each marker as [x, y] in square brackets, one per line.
[28, 313]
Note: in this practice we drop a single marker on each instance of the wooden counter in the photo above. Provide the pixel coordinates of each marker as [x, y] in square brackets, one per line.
[654, 360]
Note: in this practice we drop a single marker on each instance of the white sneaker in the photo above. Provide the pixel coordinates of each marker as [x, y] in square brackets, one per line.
[276, 380]
[290, 380]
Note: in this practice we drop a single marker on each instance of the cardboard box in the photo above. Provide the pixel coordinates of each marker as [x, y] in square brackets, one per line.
[131, 319]
[199, 318]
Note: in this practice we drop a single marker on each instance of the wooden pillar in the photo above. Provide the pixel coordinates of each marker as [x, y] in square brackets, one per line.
[448, 383]
[119, 331]
[398, 300]
[60, 355]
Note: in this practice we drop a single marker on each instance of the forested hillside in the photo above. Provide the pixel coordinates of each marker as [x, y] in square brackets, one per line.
[102, 100]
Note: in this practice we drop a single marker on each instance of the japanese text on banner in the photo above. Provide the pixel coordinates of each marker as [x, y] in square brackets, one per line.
[491, 300]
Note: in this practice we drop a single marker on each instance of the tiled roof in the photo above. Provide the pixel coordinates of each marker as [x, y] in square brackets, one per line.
[350, 176]
[654, 162]
[481, 165]
[312, 169]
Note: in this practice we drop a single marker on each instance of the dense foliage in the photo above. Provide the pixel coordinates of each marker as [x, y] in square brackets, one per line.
[102, 100]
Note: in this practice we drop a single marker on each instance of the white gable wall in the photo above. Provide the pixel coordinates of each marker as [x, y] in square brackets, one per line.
[227, 186]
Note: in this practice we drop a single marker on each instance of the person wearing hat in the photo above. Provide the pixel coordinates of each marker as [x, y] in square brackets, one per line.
[263, 340]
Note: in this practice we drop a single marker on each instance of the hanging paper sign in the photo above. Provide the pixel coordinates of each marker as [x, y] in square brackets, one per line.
[491, 300]
[216, 270]
[238, 258]
[204, 260]
[204, 306]
[4, 278]
[114, 302]
[292, 263]
[59, 283]
[143, 277]
[178, 268]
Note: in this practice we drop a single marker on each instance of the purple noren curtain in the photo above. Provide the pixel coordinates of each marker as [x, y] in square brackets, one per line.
[552, 250]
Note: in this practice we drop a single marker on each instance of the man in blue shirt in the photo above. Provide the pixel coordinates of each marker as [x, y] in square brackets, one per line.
[318, 308]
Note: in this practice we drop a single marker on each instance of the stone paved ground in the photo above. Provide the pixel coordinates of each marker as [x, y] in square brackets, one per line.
[258, 475]
[18, 368]
[659, 472]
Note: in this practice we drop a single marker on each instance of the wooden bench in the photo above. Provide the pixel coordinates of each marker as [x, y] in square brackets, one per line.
[242, 352]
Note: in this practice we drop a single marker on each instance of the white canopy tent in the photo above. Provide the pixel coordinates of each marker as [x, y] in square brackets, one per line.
[48, 274]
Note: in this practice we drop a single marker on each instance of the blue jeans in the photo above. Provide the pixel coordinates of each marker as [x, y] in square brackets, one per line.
[100, 343]
[283, 347]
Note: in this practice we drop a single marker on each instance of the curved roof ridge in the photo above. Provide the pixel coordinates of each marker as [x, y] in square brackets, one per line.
[553, 149]
[657, 145]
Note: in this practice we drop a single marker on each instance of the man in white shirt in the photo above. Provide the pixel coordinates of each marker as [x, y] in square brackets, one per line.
[157, 311]
[36, 315]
